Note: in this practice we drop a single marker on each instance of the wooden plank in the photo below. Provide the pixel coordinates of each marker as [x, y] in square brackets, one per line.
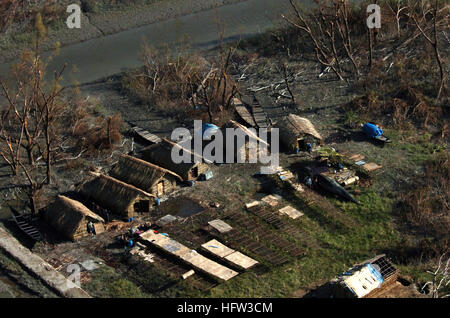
[371, 166]
[220, 226]
[291, 212]
[147, 135]
[241, 260]
[234, 257]
[189, 256]
[217, 248]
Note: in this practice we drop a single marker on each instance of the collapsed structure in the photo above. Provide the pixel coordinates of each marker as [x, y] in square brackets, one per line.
[71, 218]
[365, 280]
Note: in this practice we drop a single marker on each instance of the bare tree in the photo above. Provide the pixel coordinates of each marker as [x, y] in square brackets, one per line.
[400, 5]
[325, 54]
[419, 13]
[441, 278]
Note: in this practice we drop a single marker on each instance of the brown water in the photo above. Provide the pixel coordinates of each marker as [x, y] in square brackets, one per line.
[112, 54]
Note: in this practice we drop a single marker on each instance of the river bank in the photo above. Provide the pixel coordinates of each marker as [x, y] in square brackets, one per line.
[104, 21]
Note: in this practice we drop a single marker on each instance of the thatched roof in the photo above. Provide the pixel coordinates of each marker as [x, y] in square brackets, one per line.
[65, 214]
[161, 155]
[139, 173]
[293, 127]
[113, 194]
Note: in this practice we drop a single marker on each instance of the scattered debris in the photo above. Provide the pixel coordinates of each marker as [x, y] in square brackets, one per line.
[369, 167]
[166, 220]
[206, 176]
[189, 256]
[291, 212]
[188, 274]
[271, 200]
[332, 186]
[252, 204]
[220, 226]
[356, 157]
[147, 136]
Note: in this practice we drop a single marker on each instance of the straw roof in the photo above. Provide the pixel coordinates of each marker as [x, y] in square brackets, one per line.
[293, 127]
[161, 155]
[298, 126]
[113, 194]
[65, 214]
[139, 173]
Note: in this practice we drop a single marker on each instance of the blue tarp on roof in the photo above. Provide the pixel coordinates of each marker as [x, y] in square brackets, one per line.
[209, 130]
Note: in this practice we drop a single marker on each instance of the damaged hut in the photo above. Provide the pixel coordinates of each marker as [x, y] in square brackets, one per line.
[245, 151]
[161, 154]
[297, 132]
[120, 198]
[71, 218]
[145, 176]
[368, 279]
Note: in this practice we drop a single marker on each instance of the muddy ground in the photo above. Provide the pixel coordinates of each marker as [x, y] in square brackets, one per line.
[103, 21]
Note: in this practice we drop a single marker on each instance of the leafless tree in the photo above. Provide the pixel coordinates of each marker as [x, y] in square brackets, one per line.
[397, 7]
[440, 279]
[420, 12]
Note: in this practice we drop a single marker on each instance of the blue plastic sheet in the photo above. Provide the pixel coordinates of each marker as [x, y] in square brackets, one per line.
[372, 130]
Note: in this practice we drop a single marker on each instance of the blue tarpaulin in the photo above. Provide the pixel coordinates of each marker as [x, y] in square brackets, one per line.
[372, 130]
[209, 130]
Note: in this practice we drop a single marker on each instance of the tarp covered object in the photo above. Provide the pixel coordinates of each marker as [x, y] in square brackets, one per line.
[372, 130]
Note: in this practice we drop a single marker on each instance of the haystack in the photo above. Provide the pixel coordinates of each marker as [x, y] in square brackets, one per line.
[296, 131]
[161, 155]
[71, 217]
[118, 197]
[145, 176]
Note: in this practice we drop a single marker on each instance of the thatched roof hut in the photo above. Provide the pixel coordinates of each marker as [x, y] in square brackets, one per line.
[295, 130]
[118, 197]
[161, 154]
[144, 175]
[71, 217]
